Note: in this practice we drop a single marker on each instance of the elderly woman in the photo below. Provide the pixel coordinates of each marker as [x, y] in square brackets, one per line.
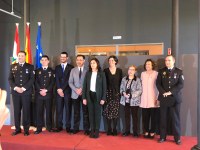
[131, 90]
[149, 102]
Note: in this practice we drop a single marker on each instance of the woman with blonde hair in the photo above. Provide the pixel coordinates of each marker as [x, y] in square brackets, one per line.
[131, 89]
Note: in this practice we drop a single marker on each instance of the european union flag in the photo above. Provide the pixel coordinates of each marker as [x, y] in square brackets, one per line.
[39, 51]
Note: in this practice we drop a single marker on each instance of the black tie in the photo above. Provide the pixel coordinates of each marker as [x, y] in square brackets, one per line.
[80, 73]
[45, 68]
[21, 65]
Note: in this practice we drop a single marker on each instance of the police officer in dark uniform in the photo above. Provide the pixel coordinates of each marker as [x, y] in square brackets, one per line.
[44, 82]
[21, 79]
[169, 82]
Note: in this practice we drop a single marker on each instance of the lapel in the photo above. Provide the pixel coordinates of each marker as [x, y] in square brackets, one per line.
[89, 78]
[98, 79]
[84, 70]
[66, 69]
[77, 73]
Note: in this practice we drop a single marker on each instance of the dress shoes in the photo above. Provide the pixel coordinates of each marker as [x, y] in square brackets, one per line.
[178, 142]
[50, 130]
[161, 140]
[146, 135]
[114, 132]
[96, 135]
[87, 132]
[58, 130]
[126, 134]
[135, 134]
[15, 133]
[109, 132]
[75, 131]
[26, 133]
[151, 135]
[92, 134]
[68, 130]
[37, 131]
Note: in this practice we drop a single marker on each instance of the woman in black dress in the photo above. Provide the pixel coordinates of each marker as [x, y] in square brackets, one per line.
[111, 106]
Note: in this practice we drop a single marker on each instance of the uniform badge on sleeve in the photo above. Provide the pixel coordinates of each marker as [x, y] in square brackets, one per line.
[33, 72]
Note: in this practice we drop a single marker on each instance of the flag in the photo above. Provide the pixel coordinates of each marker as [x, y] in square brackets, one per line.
[28, 45]
[39, 51]
[16, 47]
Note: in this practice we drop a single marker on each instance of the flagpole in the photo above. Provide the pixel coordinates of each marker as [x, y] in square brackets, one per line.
[26, 17]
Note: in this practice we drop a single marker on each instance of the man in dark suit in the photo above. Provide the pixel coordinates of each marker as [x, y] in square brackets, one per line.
[76, 79]
[169, 82]
[63, 99]
[44, 82]
[21, 79]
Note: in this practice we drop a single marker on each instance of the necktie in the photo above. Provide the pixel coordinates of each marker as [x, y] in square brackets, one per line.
[80, 73]
[21, 65]
[45, 68]
[63, 68]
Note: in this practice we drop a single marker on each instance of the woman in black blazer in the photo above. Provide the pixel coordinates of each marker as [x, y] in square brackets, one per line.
[94, 95]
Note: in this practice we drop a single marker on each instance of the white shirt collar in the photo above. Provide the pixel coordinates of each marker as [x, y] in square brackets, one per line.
[65, 64]
[44, 67]
[81, 68]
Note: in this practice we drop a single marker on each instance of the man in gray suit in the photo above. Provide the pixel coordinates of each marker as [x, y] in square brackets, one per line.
[76, 80]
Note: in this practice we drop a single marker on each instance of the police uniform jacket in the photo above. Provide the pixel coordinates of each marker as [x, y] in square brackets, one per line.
[44, 79]
[172, 81]
[21, 77]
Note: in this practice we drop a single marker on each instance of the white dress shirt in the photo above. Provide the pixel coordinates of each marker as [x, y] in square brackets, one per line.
[93, 82]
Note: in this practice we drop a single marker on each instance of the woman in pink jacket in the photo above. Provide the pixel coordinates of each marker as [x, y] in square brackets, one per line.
[149, 103]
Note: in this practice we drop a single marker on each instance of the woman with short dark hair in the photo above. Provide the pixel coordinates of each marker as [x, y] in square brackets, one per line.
[111, 107]
[149, 103]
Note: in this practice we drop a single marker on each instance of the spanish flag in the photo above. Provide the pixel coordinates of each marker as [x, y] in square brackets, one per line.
[16, 47]
[28, 45]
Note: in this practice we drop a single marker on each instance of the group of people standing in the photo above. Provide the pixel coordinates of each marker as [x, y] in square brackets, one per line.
[98, 92]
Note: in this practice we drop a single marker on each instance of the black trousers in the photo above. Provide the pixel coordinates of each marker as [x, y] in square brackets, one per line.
[131, 111]
[94, 109]
[149, 115]
[41, 104]
[174, 112]
[77, 105]
[22, 102]
[86, 122]
[62, 102]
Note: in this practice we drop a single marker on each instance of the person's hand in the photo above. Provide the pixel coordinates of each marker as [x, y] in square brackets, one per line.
[43, 92]
[167, 94]
[19, 90]
[60, 92]
[157, 103]
[79, 91]
[126, 95]
[102, 102]
[84, 102]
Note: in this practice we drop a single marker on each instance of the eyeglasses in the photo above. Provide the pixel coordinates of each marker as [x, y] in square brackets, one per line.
[131, 69]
